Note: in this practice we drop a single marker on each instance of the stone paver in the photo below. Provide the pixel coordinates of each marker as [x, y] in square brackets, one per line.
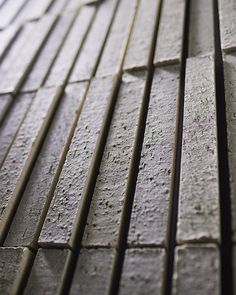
[143, 272]
[148, 225]
[198, 217]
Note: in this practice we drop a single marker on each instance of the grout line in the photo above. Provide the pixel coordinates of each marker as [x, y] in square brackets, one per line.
[223, 164]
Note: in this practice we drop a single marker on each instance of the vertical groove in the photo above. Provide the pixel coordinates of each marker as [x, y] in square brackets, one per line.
[223, 164]
[174, 194]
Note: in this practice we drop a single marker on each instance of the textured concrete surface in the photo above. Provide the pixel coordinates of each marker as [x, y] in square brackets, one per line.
[5, 101]
[197, 270]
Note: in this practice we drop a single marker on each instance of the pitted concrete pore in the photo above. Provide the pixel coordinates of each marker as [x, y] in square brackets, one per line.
[143, 272]
[87, 61]
[107, 203]
[230, 99]
[59, 223]
[25, 227]
[24, 149]
[93, 272]
[12, 122]
[141, 41]
[196, 270]
[149, 219]
[198, 215]
[170, 32]
[112, 56]
[227, 12]
[46, 274]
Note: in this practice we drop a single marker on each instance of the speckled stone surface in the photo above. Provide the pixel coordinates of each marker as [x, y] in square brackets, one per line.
[148, 225]
[46, 273]
[106, 207]
[94, 266]
[198, 217]
[197, 270]
[141, 41]
[170, 32]
[58, 225]
[143, 272]
[25, 227]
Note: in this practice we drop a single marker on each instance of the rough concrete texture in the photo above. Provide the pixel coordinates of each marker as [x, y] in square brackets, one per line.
[143, 271]
[12, 122]
[148, 225]
[5, 102]
[198, 217]
[197, 270]
[14, 77]
[6, 38]
[113, 53]
[48, 54]
[94, 266]
[14, 171]
[141, 41]
[12, 266]
[58, 226]
[227, 10]
[201, 35]
[106, 207]
[85, 65]
[46, 274]
[230, 98]
[29, 216]
[170, 32]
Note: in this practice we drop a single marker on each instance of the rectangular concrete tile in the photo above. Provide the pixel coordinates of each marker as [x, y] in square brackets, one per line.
[149, 219]
[93, 272]
[227, 11]
[49, 53]
[198, 217]
[143, 271]
[170, 32]
[13, 263]
[105, 212]
[7, 37]
[15, 75]
[23, 152]
[112, 56]
[196, 270]
[9, 11]
[5, 101]
[65, 59]
[28, 219]
[230, 99]
[86, 63]
[58, 225]
[201, 32]
[140, 44]
[46, 273]
[12, 123]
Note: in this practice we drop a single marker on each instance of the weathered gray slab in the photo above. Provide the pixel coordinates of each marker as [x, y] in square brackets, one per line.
[58, 226]
[49, 53]
[230, 99]
[140, 44]
[16, 73]
[5, 101]
[9, 11]
[114, 50]
[197, 270]
[149, 219]
[7, 37]
[143, 271]
[93, 272]
[227, 12]
[12, 123]
[13, 263]
[198, 217]
[170, 32]
[105, 212]
[23, 151]
[86, 63]
[28, 219]
[46, 273]
[65, 59]
[201, 34]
